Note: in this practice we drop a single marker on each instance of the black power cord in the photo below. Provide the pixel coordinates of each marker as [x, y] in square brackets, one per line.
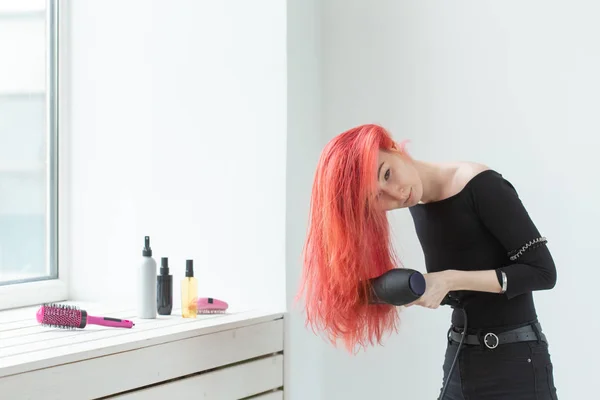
[454, 303]
[401, 286]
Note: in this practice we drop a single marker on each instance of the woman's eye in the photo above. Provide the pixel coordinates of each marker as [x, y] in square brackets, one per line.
[387, 175]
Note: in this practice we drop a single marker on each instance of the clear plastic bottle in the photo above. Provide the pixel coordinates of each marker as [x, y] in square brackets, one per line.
[189, 292]
[146, 290]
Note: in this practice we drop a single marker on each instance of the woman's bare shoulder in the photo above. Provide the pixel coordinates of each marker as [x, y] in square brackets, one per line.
[466, 171]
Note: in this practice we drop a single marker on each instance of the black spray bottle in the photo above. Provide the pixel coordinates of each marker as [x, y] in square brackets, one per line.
[164, 289]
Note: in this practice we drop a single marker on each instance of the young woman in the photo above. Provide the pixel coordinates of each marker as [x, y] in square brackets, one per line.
[479, 244]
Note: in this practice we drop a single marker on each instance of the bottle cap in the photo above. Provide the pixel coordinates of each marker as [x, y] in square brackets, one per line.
[189, 268]
[147, 252]
[164, 266]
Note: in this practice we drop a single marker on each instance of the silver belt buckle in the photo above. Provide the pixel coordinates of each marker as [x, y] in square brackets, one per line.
[493, 338]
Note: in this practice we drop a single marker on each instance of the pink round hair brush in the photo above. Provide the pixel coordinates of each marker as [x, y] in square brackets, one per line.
[71, 317]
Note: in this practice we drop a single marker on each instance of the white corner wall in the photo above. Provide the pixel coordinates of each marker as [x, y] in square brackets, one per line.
[163, 145]
[179, 133]
[304, 353]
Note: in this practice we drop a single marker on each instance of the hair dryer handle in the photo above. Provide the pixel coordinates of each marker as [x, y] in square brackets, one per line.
[399, 286]
[451, 301]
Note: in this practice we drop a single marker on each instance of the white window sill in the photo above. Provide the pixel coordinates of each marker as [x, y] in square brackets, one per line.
[27, 349]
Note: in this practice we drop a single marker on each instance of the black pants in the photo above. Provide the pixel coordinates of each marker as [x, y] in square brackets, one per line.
[514, 371]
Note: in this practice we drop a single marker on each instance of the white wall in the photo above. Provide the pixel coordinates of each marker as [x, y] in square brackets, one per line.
[179, 132]
[304, 357]
[513, 85]
[162, 145]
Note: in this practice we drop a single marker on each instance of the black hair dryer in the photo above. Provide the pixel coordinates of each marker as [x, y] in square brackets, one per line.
[401, 286]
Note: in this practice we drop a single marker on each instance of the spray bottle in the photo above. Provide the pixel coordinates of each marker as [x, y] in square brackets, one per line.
[164, 289]
[146, 294]
[189, 292]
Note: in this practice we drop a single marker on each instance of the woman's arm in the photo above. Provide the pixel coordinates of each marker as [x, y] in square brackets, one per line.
[479, 281]
[529, 265]
[440, 283]
[499, 208]
[501, 211]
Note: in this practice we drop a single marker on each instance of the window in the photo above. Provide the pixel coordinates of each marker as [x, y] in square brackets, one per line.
[29, 269]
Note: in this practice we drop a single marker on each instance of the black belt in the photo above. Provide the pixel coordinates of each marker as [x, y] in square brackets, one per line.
[492, 340]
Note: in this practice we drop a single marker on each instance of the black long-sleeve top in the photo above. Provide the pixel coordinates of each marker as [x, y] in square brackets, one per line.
[479, 229]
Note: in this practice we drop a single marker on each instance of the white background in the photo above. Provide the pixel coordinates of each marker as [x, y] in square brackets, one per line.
[178, 132]
[510, 84]
[189, 125]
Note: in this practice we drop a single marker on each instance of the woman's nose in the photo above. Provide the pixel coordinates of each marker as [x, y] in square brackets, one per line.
[399, 193]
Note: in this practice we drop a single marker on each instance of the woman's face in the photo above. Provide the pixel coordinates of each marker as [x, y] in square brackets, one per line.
[399, 183]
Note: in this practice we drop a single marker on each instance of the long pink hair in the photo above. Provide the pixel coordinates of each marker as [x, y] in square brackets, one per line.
[348, 241]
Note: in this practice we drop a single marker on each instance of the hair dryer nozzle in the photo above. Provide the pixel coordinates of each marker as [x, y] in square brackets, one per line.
[417, 284]
[399, 286]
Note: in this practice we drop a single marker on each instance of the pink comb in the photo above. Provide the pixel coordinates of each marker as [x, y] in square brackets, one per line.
[71, 317]
[209, 305]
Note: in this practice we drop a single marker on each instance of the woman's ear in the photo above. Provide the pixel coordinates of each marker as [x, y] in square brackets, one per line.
[401, 148]
[397, 148]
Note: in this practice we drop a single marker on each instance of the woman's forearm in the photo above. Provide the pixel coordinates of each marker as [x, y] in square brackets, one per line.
[479, 281]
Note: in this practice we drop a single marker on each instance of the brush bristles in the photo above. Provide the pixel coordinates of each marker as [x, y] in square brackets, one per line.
[200, 312]
[61, 316]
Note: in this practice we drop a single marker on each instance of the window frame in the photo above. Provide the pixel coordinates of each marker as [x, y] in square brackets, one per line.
[52, 289]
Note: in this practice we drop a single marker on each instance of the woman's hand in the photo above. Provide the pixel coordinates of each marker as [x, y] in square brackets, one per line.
[438, 285]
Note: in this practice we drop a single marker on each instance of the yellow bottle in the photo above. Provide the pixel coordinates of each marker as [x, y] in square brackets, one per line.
[189, 292]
